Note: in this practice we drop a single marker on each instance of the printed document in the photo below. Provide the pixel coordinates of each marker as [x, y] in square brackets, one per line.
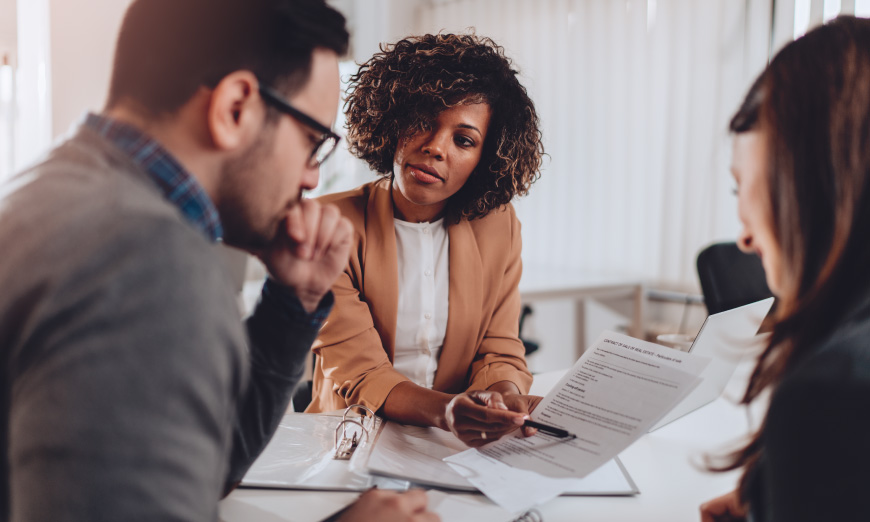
[417, 454]
[618, 389]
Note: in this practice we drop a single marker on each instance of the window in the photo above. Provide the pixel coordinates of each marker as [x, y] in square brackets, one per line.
[7, 117]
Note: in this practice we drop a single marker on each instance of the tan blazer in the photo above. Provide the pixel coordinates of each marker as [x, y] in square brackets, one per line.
[481, 345]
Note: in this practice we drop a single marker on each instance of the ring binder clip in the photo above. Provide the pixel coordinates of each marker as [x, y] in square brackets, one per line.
[345, 443]
[533, 515]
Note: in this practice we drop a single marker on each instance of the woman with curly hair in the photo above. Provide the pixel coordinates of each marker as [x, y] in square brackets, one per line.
[802, 166]
[424, 328]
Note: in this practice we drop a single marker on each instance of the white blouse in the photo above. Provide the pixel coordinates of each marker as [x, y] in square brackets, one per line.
[424, 283]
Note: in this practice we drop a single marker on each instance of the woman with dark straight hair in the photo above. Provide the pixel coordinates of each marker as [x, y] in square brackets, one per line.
[802, 166]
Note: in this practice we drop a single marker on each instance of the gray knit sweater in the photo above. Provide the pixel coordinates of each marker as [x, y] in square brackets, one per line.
[130, 389]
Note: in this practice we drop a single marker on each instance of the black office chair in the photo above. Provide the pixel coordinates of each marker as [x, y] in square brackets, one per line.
[530, 346]
[730, 278]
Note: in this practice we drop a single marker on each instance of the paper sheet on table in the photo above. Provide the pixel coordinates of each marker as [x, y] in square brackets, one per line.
[499, 482]
[466, 508]
[266, 506]
[415, 453]
[618, 389]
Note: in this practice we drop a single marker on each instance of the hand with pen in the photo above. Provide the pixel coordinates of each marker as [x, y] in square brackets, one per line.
[482, 416]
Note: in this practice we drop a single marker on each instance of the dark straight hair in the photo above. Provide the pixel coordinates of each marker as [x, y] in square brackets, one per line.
[812, 104]
[167, 49]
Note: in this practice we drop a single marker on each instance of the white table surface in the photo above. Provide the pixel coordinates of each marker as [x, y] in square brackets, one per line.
[666, 465]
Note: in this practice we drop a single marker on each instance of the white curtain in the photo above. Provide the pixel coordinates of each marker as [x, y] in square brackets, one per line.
[7, 117]
[634, 98]
[794, 17]
[33, 82]
[25, 85]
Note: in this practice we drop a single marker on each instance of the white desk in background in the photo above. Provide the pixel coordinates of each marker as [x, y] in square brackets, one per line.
[541, 283]
[662, 464]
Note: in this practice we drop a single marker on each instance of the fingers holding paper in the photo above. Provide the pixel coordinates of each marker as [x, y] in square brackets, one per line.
[726, 508]
[523, 404]
[390, 506]
[479, 417]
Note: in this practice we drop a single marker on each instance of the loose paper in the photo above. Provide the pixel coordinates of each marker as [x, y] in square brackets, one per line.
[618, 389]
[415, 453]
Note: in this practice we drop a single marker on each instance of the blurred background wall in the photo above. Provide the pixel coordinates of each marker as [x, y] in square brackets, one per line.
[634, 98]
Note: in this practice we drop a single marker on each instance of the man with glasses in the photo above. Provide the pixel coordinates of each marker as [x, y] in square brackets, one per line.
[324, 146]
[131, 390]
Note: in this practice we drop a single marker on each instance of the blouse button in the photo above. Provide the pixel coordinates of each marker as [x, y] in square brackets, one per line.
[428, 273]
[425, 230]
[428, 316]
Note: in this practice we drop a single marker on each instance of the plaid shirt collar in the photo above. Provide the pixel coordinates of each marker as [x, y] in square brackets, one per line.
[177, 185]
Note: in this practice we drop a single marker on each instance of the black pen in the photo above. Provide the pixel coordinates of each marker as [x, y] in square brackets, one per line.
[550, 430]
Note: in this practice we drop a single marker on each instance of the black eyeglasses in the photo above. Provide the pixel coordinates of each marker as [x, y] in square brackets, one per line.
[328, 140]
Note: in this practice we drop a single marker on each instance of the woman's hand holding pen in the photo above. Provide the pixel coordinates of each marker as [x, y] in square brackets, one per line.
[523, 404]
[479, 417]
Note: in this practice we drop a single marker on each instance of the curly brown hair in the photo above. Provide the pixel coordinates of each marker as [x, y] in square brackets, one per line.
[403, 88]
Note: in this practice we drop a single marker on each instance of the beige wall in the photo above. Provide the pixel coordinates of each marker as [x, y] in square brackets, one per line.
[7, 27]
[378, 21]
[83, 36]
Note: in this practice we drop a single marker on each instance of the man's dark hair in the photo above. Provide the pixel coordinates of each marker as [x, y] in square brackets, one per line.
[167, 49]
